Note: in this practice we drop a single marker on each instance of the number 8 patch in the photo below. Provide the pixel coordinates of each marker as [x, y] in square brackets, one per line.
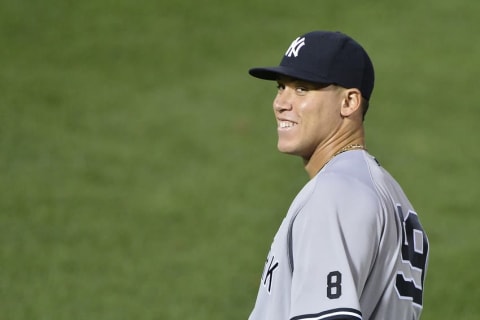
[334, 285]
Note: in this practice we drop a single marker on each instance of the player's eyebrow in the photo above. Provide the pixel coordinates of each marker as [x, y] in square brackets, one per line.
[300, 82]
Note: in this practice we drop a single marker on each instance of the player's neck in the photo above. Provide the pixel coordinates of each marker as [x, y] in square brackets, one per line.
[323, 154]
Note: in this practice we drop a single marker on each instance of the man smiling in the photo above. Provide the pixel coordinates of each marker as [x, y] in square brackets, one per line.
[351, 245]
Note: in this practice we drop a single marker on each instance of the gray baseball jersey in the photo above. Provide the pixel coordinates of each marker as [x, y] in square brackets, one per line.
[350, 247]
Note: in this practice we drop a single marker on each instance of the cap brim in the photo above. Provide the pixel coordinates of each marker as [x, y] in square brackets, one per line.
[272, 73]
[267, 73]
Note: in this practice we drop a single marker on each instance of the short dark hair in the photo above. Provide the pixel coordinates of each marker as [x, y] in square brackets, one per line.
[364, 105]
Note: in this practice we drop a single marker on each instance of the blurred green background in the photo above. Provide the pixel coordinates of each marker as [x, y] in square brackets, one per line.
[139, 176]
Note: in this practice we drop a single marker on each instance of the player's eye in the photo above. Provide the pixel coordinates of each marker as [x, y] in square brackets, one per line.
[280, 86]
[301, 90]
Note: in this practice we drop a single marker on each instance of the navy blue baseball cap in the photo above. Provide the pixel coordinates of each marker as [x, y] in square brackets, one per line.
[325, 57]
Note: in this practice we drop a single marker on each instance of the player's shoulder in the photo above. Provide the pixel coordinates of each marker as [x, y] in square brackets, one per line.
[341, 187]
[346, 182]
[339, 199]
[349, 170]
[346, 175]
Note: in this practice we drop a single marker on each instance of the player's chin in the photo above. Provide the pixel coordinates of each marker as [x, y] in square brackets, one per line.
[287, 148]
[295, 149]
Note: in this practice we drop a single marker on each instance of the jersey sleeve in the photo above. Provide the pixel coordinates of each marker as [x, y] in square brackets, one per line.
[334, 243]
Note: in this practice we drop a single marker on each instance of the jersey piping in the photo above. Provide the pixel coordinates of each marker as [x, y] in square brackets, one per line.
[341, 313]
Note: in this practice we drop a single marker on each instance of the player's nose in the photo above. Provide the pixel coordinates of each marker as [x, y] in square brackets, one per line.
[283, 101]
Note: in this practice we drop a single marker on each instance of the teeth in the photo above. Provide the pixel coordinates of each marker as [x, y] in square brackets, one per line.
[286, 124]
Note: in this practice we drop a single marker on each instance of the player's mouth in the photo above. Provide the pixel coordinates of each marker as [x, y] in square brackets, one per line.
[285, 124]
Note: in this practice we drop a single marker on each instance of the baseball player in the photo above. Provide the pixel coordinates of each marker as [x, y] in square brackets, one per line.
[351, 245]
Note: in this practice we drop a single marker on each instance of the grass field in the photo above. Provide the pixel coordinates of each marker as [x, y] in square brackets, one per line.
[139, 177]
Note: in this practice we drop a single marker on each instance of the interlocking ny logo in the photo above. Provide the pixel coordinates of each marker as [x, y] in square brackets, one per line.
[295, 47]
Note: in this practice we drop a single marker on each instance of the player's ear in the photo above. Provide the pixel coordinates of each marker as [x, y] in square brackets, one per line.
[352, 101]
